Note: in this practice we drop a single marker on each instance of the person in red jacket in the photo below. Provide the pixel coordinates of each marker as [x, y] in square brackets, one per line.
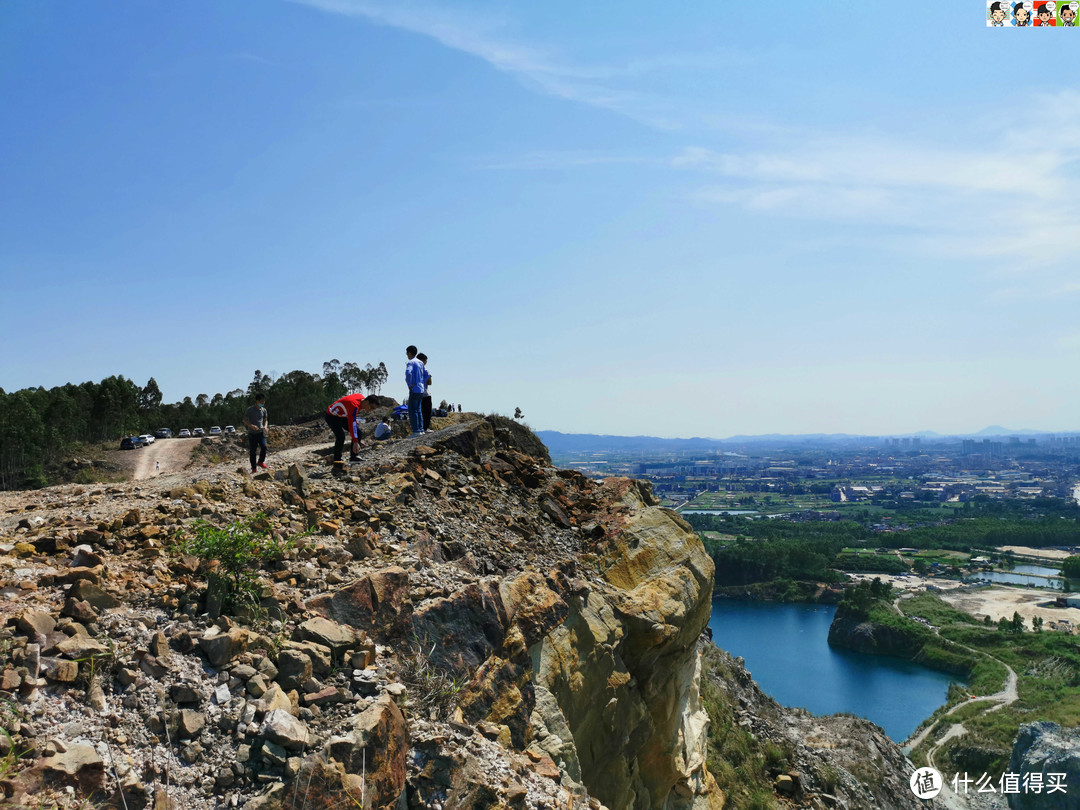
[341, 416]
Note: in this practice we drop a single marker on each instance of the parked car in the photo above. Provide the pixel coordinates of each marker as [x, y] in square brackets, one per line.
[147, 438]
[198, 432]
[184, 434]
[130, 443]
[163, 433]
[215, 430]
[230, 429]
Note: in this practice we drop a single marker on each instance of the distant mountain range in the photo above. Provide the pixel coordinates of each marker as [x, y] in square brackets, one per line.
[558, 442]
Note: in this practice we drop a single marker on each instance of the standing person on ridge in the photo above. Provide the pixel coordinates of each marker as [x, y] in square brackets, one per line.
[425, 404]
[256, 421]
[343, 415]
[415, 373]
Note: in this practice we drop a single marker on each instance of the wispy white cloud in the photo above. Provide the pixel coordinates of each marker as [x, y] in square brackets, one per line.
[488, 37]
[566, 159]
[1013, 196]
[244, 56]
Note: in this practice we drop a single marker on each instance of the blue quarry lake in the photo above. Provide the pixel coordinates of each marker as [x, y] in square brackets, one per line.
[787, 651]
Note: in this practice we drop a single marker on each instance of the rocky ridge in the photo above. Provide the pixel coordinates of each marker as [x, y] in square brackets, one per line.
[558, 616]
[458, 624]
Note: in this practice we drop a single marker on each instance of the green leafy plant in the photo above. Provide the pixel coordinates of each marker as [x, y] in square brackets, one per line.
[9, 753]
[240, 549]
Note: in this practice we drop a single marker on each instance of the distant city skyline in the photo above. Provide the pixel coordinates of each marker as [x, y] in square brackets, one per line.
[627, 220]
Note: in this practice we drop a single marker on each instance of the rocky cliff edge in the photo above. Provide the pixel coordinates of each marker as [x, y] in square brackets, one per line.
[464, 626]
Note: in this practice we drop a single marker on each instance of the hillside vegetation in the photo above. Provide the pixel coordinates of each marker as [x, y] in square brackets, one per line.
[39, 427]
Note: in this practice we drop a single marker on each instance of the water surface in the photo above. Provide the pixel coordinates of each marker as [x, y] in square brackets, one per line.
[786, 650]
[1012, 578]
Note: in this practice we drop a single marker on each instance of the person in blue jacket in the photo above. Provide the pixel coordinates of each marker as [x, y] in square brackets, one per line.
[415, 375]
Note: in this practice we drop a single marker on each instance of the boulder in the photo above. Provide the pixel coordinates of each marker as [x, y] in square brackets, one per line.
[86, 591]
[337, 637]
[376, 745]
[378, 603]
[294, 667]
[282, 728]
[190, 724]
[35, 622]
[1047, 748]
[221, 648]
[59, 670]
[464, 628]
[79, 767]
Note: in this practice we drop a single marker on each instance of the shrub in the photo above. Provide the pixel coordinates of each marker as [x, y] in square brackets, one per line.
[432, 689]
[240, 549]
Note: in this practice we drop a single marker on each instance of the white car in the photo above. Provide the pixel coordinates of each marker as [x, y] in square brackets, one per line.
[215, 430]
[148, 438]
[230, 429]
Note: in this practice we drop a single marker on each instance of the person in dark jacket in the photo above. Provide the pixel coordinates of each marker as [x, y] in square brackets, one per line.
[425, 404]
[256, 421]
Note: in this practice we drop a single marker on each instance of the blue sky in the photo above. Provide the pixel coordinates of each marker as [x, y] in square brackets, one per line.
[620, 217]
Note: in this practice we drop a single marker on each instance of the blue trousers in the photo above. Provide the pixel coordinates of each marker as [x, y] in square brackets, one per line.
[416, 419]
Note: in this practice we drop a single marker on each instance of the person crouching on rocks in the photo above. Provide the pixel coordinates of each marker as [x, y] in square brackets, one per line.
[383, 431]
[342, 416]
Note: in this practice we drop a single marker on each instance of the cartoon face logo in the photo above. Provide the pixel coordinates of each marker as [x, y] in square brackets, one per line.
[1021, 14]
[997, 13]
[1068, 14]
[1045, 15]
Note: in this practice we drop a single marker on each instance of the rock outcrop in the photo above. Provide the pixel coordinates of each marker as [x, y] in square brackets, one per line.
[1052, 752]
[455, 623]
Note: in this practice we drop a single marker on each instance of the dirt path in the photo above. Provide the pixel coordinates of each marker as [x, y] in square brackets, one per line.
[163, 456]
[1004, 697]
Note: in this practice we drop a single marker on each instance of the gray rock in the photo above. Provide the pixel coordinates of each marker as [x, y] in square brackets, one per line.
[337, 637]
[274, 753]
[243, 671]
[282, 728]
[266, 667]
[79, 646]
[1047, 748]
[256, 685]
[294, 667]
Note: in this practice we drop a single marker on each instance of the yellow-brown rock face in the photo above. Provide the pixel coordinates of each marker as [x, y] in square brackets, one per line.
[606, 676]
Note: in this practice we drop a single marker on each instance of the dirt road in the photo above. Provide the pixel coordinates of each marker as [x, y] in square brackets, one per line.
[163, 456]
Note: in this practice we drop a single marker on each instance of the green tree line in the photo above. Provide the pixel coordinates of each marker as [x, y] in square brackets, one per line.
[39, 426]
[755, 550]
